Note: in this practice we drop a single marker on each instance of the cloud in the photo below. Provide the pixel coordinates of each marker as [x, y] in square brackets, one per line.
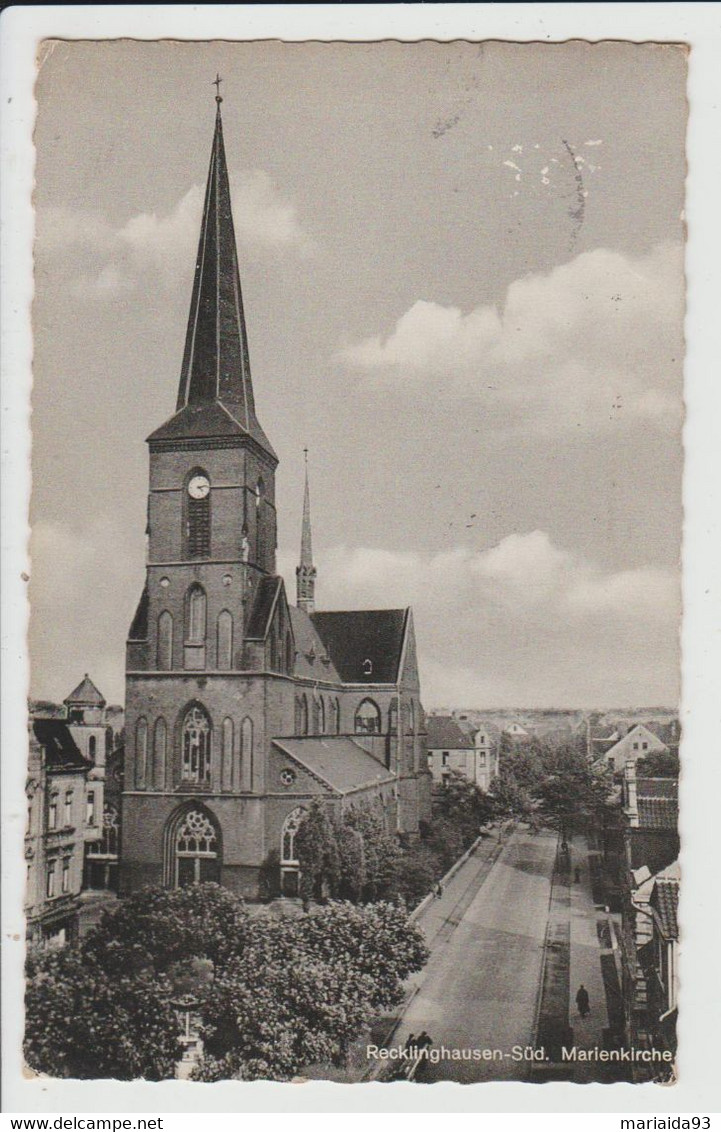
[594, 342]
[115, 260]
[532, 623]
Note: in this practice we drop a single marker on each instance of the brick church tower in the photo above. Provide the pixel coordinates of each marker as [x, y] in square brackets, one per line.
[227, 685]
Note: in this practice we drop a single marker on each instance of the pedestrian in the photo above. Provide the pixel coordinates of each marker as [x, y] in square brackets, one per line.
[439, 890]
[582, 1001]
[423, 1040]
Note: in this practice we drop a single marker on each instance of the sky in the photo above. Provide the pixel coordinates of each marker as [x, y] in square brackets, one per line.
[462, 268]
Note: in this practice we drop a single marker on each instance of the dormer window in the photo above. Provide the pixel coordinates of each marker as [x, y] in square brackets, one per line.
[367, 667]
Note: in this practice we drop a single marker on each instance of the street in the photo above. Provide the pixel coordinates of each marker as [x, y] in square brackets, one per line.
[480, 986]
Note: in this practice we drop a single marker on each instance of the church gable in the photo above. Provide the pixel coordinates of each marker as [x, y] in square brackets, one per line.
[287, 775]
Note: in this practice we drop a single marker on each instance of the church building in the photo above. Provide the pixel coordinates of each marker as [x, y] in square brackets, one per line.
[240, 707]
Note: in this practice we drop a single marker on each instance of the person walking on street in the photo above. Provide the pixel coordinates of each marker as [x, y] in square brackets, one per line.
[582, 1001]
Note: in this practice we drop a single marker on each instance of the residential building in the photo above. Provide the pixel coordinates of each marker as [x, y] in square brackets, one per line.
[638, 742]
[55, 838]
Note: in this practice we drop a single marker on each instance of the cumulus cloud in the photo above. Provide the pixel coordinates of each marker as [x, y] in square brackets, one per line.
[114, 259]
[532, 621]
[596, 340]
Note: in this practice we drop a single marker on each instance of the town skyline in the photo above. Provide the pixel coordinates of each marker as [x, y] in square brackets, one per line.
[542, 535]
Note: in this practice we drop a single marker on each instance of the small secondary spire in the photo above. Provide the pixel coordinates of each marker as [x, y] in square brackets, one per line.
[305, 573]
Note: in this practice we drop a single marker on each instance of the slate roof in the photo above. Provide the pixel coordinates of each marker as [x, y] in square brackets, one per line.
[61, 750]
[311, 655]
[209, 420]
[353, 637]
[86, 694]
[215, 393]
[664, 899]
[139, 627]
[657, 788]
[443, 731]
[262, 609]
[337, 761]
[657, 813]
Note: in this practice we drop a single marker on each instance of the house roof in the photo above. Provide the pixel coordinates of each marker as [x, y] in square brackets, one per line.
[657, 788]
[311, 655]
[61, 750]
[86, 694]
[337, 761]
[657, 813]
[443, 731]
[354, 637]
[664, 899]
[262, 608]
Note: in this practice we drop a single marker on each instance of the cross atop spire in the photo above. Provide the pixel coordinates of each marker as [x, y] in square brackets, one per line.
[215, 394]
[305, 573]
[216, 83]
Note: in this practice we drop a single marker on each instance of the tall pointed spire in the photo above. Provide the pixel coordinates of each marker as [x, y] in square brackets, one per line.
[305, 573]
[216, 390]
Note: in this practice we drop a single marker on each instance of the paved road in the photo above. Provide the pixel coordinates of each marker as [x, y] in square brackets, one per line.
[481, 983]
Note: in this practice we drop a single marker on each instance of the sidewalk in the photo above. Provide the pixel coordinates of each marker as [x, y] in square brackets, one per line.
[592, 962]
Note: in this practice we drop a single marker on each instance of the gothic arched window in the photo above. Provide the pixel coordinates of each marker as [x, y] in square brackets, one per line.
[368, 718]
[288, 854]
[412, 716]
[228, 753]
[195, 613]
[92, 748]
[225, 640]
[165, 641]
[196, 746]
[195, 849]
[246, 753]
[289, 657]
[321, 716]
[336, 716]
[141, 752]
[160, 743]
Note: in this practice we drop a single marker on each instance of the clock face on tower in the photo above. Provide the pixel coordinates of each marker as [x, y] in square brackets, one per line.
[198, 487]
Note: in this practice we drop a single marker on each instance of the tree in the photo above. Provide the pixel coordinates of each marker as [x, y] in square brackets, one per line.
[464, 804]
[304, 989]
[318, 855]
[81, 1021]
[510, 799]
[380, 850]
[659, 764]
[573, 790]
[351, 851]
[157, 927]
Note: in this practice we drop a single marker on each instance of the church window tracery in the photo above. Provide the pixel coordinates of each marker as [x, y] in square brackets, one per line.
[367, 718]
[197, 737]
[195, 849]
